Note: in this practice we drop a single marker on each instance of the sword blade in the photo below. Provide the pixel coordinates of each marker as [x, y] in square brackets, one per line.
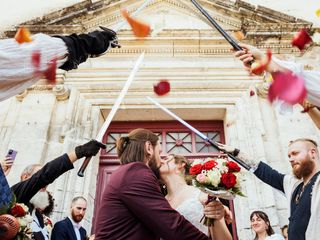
[113, 111]
[120, 98]
[233, 43]
[200, 134]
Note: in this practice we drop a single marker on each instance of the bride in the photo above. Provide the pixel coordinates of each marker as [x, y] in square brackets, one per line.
[189, 201]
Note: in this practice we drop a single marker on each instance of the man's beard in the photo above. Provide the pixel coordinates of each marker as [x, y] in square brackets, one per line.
[40, 201]
[305, 169]
[76, 218]
[154, 167]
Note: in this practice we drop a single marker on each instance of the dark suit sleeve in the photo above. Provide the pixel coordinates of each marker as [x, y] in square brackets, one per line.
[80, 46]
[59, 232]
[83, 233]
[25, 190]
[270, 176]
[141, 194]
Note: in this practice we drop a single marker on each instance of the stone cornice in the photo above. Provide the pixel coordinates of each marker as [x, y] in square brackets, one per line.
[86, 16]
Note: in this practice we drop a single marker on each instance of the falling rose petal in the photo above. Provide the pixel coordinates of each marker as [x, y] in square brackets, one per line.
[23, 35]
[258, 68]
[35, 59]
[318, 12]
[287, 87]
[239, 35]
[140, 29]
[162, 87]
[301, 39]
[252, 93]
[50, 73]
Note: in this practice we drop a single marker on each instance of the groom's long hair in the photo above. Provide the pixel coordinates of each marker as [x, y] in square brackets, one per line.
[132, 148]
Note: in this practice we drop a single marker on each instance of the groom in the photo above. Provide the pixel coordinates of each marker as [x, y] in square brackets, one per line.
[133, 206]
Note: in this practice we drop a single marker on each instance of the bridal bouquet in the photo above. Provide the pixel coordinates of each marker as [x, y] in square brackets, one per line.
[217, 177]
[15, 222]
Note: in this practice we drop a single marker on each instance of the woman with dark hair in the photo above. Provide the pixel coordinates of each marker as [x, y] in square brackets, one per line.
[260, 224]
[189, 201]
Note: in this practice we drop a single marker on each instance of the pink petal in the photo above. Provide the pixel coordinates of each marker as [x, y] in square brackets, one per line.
[301, 39]
[162, 87]
[50, 73]
[287, 87]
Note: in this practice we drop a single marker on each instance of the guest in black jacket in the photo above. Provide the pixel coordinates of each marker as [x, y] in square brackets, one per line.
[70, 228]
[26, 190]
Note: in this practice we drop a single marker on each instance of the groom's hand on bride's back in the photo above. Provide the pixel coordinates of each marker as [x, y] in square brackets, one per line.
[214, 210]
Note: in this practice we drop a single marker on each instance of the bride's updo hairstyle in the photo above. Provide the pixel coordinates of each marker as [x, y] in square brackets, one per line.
[178, 159]
[132, 147]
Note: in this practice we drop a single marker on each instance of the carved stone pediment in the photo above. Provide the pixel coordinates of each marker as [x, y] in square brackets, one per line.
[168, 14]
[181, 46]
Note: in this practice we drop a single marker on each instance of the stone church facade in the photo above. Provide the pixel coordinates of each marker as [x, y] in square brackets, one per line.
[207, 85]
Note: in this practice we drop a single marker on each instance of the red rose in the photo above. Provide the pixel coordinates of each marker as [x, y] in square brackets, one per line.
[196, 169]
[48, 222]
[233, 166]
[209, 165]
[17, 211]
[228, 180]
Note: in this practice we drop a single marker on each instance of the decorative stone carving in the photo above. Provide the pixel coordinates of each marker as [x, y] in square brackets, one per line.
[40, 87]
[21, 96]
[61, 92]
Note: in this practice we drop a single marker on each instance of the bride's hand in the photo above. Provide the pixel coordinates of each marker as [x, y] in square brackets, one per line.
[215, 210]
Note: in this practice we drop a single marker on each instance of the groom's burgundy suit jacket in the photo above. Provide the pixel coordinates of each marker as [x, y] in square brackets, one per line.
[133, 207]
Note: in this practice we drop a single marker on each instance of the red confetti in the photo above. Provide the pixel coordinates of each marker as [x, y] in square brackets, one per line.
[23, 35]
[301, 39]
[258, 68]
[50, 73]
[287, 87]
[35, 59]
[252, 93]
[140, 29]
[162, 87]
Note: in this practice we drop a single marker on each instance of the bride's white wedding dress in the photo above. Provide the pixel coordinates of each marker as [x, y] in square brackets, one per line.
[192, 210]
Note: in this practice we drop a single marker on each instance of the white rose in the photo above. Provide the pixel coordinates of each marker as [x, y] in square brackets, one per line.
[197, 161]
[214, 177]
[221, 162]
[23, 222]
[224, 169]
[239, 177]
